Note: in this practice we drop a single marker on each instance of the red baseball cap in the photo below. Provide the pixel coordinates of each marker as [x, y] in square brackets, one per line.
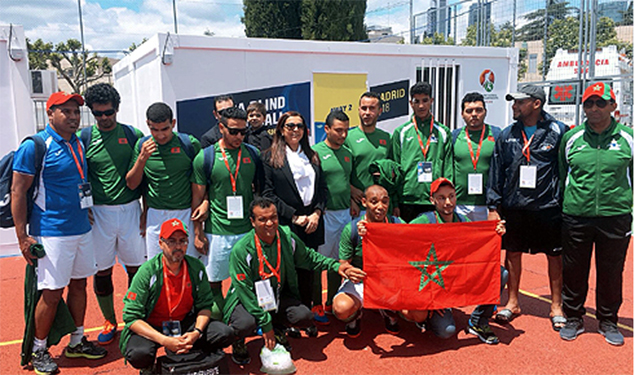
[601, 89]
[170, 226]
[61, 97]
[436, 184]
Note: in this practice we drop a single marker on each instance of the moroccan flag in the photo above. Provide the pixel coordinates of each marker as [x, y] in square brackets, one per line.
[431, 266]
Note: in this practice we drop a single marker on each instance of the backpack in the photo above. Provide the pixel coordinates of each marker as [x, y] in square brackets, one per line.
[185, 140]
[355, 232]
[6, 178]
[194, 362]
[86, 135]
[208, 160]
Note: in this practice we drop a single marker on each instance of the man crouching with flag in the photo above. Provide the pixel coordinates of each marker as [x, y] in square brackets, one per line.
[441, 322]
[349, 300]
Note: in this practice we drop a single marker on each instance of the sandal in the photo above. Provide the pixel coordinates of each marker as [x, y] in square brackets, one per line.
[505, 316]
[558, 322]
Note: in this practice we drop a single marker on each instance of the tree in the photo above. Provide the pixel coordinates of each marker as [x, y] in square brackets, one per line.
[134, 45]
[68, 59]
[340, 20]
[39, 53]
[438, 39]
[535, 28]
[272, 19]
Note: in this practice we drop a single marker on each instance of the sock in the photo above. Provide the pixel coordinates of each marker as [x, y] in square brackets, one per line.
[39, 344]
[76, 337]
[107, 307]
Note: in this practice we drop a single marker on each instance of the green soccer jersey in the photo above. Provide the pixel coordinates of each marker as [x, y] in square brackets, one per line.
[108, 156]
[167, 175]
[351, 246]
[337, 167]
[366, 148]
[424, 219]
[219, 187]
[406, 150]
[463, 165]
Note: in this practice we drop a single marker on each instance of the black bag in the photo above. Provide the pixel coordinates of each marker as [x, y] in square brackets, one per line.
[195, 362]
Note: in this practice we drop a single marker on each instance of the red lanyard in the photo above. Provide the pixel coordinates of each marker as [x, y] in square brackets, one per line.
[232, 177]
[261, 258]
[424, 150]
[167, 287]
[79, 165]
[469, 145]
[526, 146]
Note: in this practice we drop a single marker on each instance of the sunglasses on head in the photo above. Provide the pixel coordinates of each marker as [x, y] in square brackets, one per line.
[108, 112]
[236, 131]
[292, 126]
[601, 103]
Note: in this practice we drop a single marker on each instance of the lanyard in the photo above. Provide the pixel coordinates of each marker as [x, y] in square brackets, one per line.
[232, 177]
[262, 260]
[478, 150]
[79, 165]
[167, 287]
[424, 150]
[527, 143]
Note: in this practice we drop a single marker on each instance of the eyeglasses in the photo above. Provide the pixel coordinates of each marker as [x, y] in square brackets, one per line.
[108, 112]
[601, 103]
[172, 242]
[292, 126]
[235, 131]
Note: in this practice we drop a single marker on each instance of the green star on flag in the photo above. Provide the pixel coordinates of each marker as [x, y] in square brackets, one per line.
[436, 276]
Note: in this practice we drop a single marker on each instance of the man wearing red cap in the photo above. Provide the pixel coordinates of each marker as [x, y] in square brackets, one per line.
[596, 165]
[59, 221]
[441, 322]
[169, 304]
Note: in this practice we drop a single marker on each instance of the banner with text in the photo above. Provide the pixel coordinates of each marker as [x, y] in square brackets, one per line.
[394, 97]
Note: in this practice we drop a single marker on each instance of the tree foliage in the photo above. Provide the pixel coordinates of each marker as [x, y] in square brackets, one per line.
[341, 20]
[134, 45]
[438, 39]
[39, 52]
[272, 19]
[628, 15]
[535, 28]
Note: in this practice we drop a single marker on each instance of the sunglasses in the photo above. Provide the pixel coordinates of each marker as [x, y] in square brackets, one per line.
[108, 112]
[292, 126]
[601, 103]
[172, 242]
[236, 131]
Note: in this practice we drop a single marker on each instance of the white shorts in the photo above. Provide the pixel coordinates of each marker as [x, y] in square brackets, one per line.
[355, 290]
[67, 257]
[116, 234]
[474, 213]
[153, 229]
[217, 261]
[334, 222]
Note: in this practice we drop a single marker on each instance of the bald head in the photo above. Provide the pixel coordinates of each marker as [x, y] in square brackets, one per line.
[376, 201]
[375, 189]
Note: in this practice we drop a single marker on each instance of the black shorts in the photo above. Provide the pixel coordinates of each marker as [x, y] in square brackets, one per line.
[533, 231]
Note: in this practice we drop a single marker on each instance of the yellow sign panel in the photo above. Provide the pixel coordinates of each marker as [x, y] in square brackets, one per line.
[336, 91]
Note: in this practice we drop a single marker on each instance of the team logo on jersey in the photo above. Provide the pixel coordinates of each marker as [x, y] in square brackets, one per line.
[614, 145]
[241, 277]
[360, 140]
[347, 159]
[325, 157]
[546, 147]
[132, 296]
[246, 160]
[487, 79]
[176, 150]
[123, 141]
[382, 142]
[433, 138]
[490, 138]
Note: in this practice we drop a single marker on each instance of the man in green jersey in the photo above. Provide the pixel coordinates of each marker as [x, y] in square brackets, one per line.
[367, 143]
[164, 162]
[229, 176]
[596, 166]
[116, 210]
[264, 283]
[473, 147]
[336, 163]
[423, 148]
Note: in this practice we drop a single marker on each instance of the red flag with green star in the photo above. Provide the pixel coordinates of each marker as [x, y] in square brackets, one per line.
[431, 266]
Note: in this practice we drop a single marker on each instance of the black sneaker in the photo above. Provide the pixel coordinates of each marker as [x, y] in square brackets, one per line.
[311, 331]
[484, 333]
[572, 329]
[293, 332]
[42, 362]
[354, 327]
[390, 321]
[85, 349]
[611, 334]
[281, 338]
[240, 354]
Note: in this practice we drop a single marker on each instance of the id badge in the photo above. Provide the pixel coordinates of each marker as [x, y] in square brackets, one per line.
[85, 195]
[234, 207]
[424, 171]
[264, 293]
[172, 328]
[528, 176]
[475, 183]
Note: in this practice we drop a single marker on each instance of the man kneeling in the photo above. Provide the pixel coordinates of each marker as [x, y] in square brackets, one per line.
[169, 304]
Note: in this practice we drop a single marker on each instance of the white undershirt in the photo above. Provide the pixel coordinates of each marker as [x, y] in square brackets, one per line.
[303, 173]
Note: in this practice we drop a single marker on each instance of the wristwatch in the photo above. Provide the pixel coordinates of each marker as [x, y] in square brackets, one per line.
[199, 331]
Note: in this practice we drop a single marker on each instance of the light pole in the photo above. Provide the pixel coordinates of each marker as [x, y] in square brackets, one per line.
[176, 26]
[81, 30]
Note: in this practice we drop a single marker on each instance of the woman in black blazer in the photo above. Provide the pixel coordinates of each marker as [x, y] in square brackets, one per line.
[294, 180]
